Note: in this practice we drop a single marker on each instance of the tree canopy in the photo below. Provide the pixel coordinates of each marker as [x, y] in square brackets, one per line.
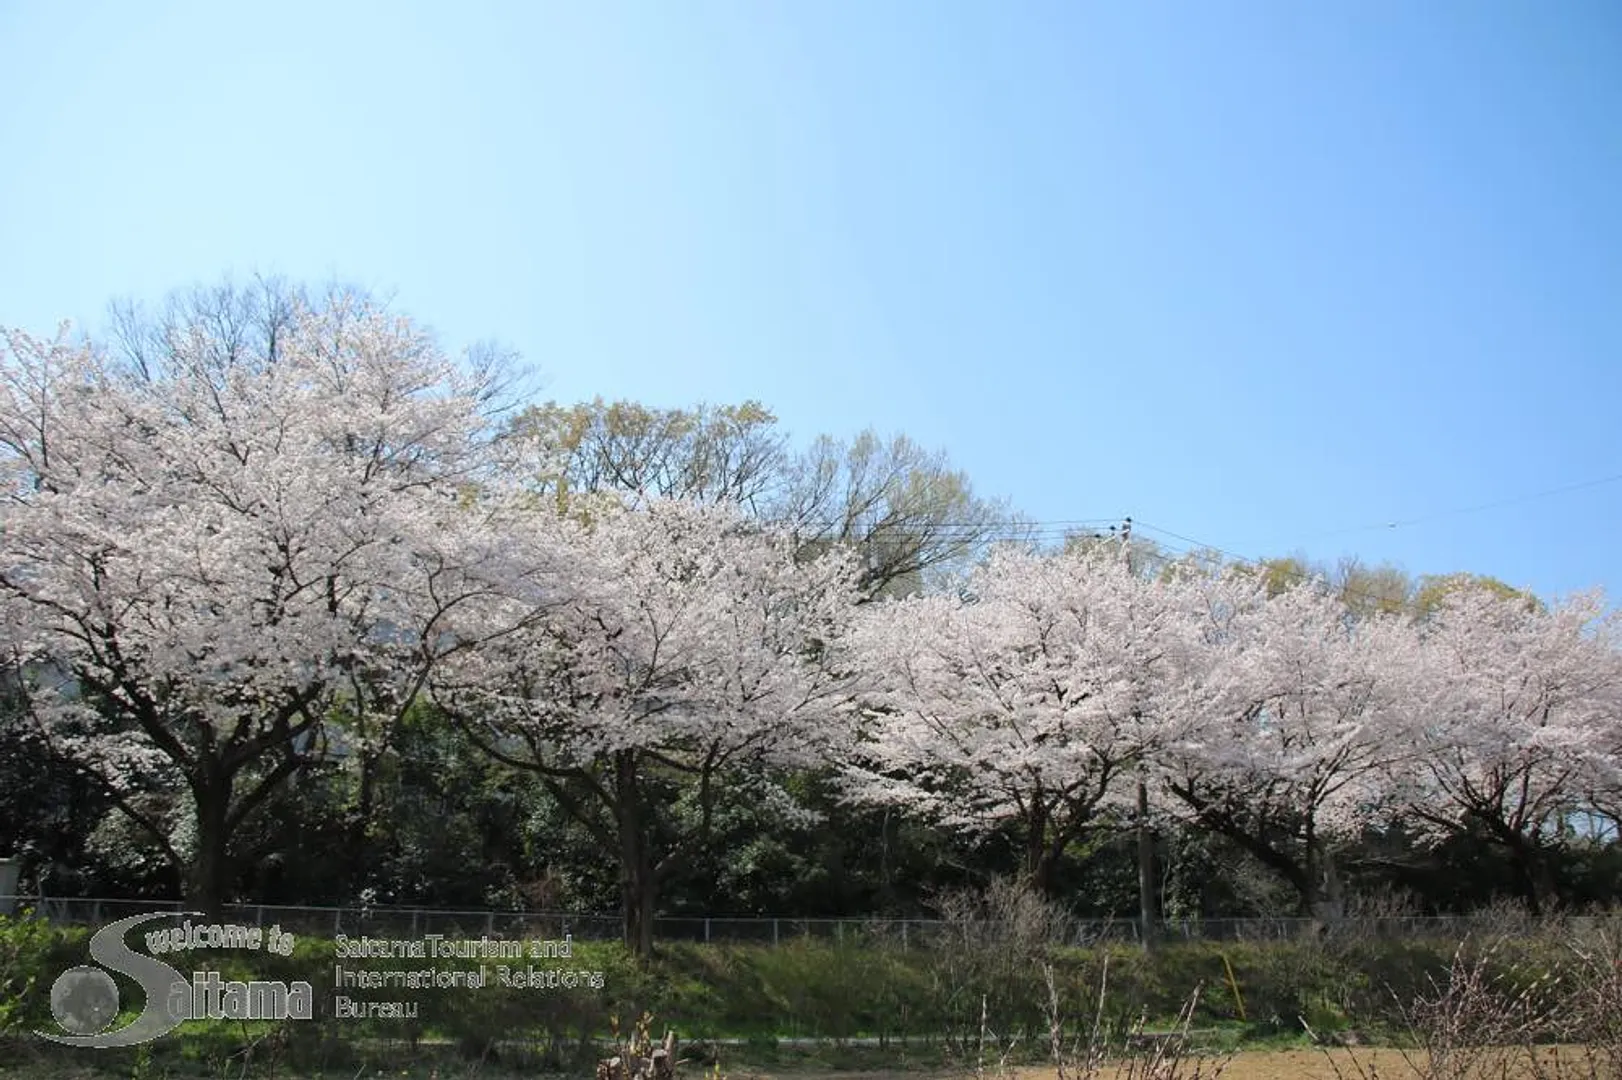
[268, 551]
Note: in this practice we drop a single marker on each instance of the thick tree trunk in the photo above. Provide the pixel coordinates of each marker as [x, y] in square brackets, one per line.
[1329, 898]
[360, 825]
[1537, 885]
[637, 902]
[1254, 839]
[1530, 860]
[209, 875]
[1325, 898]
[638, 884]
[647, 895]
[1309, 885]
[1040, 858]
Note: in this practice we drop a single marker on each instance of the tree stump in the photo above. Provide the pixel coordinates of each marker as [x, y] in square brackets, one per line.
[642, 1062]
[662, 1062]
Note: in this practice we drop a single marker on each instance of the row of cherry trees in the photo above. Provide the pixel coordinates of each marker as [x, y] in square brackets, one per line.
[1268, 714]
[257, 542]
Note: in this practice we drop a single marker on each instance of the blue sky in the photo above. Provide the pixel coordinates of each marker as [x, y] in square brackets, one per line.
[1265, 275]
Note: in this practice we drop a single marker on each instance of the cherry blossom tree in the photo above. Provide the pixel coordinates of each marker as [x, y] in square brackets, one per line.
[694, 652]
[1029, 701]
[1289, 754]
[1513, 717]
[208, 549]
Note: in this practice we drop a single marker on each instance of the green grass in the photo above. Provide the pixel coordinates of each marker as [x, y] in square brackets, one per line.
[805, 1004]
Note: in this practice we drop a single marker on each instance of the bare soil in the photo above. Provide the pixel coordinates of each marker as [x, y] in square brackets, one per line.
[1294, 1064]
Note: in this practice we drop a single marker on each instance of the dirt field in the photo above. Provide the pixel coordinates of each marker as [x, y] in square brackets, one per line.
[1251, 1065]
[1383, 1064]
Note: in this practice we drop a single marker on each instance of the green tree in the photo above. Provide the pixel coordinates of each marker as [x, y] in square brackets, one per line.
[1434, 589]
[912, 518]
[708, 453]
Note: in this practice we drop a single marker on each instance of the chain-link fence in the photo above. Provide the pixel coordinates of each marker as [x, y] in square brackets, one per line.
[410, 922]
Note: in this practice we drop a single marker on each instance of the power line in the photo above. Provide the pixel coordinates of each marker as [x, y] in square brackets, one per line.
[1124, 532]
[1283, 569]
[1063, 528]
[992, 531]
[1200, 544]
[1513, 500]
[1016, 531]
[1010, 523]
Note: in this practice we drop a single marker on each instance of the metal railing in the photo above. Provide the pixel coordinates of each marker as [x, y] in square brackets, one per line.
[416, 922]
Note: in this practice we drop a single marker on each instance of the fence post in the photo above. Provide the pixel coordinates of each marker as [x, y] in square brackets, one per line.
[706, 929]
[489, 923]
[10, 872]
[776, 936]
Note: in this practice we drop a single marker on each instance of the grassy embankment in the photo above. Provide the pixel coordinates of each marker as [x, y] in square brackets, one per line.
[869, 1005]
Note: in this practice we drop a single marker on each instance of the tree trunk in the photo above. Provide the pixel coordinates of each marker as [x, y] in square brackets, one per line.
[1537, 885]
[646, 898]
[638, 898]
[1308, 887]
[360, 826]
[1039, 856]
[1252, 837]
[1329, 901]
[638, 885]
[209, 876]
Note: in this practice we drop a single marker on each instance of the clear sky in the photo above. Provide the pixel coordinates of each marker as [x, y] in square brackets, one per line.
[1262, 274]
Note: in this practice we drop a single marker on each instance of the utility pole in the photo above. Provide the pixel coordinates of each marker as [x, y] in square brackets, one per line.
[1146, 837]
[1146, 865]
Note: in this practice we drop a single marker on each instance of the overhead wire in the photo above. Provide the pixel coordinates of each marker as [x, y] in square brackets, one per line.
[1057, 530]
[1280, 567]
[1513, 500]
[1062, 528]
